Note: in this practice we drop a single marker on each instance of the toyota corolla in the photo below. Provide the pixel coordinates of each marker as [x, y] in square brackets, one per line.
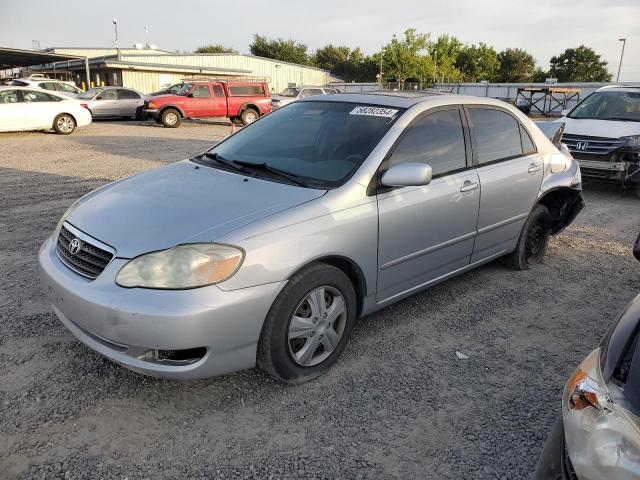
[265, 249]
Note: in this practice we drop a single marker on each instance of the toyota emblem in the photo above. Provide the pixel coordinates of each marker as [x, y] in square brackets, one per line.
[582, 145]
[74, 246]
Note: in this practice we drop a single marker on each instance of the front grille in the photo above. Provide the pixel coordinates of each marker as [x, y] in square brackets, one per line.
[600, 146]
[89, 260]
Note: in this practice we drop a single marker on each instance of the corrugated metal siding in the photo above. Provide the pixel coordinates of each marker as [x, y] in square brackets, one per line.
[148, 82]
[278, 74]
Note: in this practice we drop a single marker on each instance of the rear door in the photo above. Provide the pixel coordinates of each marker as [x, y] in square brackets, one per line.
[219, 101]
[39, 108]
[510, 172]
[11, 110]
[128, 102]
[201, 104]
[427, 232]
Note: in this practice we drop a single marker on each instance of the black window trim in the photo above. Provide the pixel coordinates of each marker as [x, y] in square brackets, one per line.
[474, 144]
[375, 186]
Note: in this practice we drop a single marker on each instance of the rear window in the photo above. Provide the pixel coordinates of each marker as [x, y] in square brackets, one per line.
[245, 90]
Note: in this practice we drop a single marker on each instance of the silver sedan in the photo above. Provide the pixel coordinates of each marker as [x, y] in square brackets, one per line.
[265, 249]
[113, 101]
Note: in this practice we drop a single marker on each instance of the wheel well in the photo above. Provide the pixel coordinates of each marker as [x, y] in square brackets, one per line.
[177, 109]
[351, 270]
[248, 105]
[560, 203]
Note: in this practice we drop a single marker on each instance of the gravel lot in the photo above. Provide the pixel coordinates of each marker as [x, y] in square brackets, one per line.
[398, 404]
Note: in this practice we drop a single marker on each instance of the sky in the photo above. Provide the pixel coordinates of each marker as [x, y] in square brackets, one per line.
[542, 27]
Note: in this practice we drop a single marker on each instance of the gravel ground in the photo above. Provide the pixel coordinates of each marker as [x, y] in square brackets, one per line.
[397, 405]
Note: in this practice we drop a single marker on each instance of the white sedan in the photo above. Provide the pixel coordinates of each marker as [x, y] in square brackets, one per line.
[23, 108]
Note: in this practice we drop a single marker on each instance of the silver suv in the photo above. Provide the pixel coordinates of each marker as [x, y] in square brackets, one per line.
[292, 94]
[267, 248]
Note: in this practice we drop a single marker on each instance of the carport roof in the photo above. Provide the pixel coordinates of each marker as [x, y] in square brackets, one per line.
[13, 57]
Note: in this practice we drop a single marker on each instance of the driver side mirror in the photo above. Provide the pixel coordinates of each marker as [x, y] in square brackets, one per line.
[190, 95]
[407, 175]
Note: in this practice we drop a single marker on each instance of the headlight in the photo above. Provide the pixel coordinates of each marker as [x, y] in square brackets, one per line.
[601, 438]
[632, 141]
[185, 266]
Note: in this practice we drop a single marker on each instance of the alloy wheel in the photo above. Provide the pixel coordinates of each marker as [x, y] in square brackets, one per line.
[65, 124]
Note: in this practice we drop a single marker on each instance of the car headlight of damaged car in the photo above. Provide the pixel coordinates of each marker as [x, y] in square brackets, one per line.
[632, 141]
[185, 266]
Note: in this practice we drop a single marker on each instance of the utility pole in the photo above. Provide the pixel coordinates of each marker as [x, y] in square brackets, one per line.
[115, 42]
[624, 41]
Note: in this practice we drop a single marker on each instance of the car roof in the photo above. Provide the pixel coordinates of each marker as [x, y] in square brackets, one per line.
[34, 89]
[619, 88]
[404, 99]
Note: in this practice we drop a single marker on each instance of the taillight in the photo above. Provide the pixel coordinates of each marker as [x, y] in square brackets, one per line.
[84, 105]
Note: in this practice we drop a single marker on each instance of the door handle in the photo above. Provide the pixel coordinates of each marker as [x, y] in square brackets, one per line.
[468, 186]
[533, 168]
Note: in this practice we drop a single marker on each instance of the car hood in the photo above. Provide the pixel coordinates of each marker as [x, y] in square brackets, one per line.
[167, 96]
[600, 128]
[181, 203]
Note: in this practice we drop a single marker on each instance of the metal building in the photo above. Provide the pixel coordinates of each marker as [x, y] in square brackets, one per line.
[148, 70]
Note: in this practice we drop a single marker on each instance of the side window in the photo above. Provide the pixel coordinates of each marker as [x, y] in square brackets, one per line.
[32, 97]
[527, 144]
[127, 95]
[218, 91]
[108, 95]
[201, 91]
[9, 96]
[497, 135]
[436, 139]
[63, 87]
[47, 85]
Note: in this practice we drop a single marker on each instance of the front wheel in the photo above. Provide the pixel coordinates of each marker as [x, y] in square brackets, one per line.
[64, 124]
[170, 118]
[533, 241]
[308, 325]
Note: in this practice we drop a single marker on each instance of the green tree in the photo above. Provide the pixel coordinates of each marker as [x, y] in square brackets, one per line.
[404, 58]
[516, 65]
[478, 63]
[539, 75]
[215, 48]
[444, 53]
[332, 58]
[361, 67]
[580, 64]
[279, 49]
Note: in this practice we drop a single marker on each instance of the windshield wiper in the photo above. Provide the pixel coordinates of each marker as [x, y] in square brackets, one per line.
[220, 159]
[292, 177]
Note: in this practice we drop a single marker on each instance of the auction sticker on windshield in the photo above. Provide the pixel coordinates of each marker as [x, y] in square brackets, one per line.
[374, 111]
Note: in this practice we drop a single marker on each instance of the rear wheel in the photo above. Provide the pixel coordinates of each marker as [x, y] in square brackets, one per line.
[533, 241]
[249, 115]
[308, 325]
[170, 118]
[64, 124]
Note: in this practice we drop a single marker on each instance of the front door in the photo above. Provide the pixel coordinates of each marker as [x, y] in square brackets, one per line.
[510, 172]
[201, 104]
[105, 104]
[427, 232]
[11, 111]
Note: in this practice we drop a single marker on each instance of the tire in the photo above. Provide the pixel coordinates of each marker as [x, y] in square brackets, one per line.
[283, 349]
[533, 241]
[170, 118]
[249, 115]
[64, 124]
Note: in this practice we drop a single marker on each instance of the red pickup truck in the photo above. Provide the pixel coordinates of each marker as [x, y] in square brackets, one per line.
[240, 101]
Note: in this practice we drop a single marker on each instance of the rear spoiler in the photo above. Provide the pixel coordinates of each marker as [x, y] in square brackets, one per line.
[553, 131]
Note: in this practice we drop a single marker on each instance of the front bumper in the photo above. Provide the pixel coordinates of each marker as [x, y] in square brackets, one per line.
[123, 324]
[554, 462]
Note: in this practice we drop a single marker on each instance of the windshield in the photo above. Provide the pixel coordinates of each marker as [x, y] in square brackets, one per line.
[290, 92]
[321, 142]
[609, 106]
[89, 94]
[183, 89]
